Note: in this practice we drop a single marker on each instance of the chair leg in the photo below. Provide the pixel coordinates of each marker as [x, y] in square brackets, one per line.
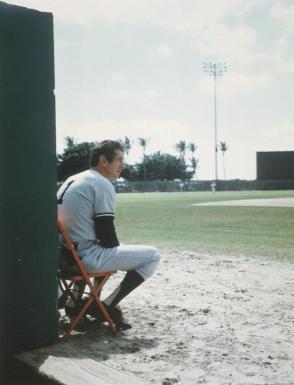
[95, 292]
[75, 321]
[102, 307]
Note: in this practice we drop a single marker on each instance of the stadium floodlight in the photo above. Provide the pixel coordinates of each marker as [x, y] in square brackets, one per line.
[215, 69]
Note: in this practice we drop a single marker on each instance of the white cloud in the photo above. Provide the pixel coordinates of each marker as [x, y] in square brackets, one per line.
[281, 43]
[287, 66]
[161, 50]
[246, 83]
[130, 96]
[239, 46]
[279, 137]
[277, 58]
[185, 16]
[236, 83]
[118, 78]
[231, 44]
[284, 14]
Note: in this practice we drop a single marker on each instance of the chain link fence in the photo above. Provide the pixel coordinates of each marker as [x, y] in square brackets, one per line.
[202, 185]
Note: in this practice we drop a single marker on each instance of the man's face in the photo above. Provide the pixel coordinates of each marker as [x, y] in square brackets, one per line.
[113, 170]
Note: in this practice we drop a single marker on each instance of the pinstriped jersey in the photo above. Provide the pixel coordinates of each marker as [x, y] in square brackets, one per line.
[81, 198]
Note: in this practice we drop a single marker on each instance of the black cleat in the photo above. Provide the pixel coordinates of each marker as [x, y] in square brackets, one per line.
[123, 324]
[114, 312]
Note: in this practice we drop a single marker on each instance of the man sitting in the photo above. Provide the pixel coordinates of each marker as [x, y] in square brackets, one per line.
[86, 208]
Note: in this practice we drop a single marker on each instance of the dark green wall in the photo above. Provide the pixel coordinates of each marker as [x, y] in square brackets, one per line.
[275, 165]
[28, 243]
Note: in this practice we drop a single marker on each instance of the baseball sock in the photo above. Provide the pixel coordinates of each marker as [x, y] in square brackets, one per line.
[131, 280]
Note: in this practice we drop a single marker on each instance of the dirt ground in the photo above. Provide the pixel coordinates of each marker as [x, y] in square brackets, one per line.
[203, 319]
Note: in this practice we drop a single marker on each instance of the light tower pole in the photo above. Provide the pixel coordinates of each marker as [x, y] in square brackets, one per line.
[215, 69]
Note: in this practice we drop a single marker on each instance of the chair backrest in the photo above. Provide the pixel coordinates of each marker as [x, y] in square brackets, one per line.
[72, 250]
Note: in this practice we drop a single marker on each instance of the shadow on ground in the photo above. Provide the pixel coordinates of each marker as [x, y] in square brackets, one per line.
[16, 372]
[91, 342]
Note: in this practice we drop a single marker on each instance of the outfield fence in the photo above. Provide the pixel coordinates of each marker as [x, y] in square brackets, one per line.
[202, 185]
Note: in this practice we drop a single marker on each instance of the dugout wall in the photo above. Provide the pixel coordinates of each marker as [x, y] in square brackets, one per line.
[28, 246]
[275, 165]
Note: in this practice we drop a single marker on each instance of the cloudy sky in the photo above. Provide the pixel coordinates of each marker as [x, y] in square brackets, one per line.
[135, 68]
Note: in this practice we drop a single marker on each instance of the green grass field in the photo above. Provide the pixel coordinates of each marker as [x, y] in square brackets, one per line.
[169, 221]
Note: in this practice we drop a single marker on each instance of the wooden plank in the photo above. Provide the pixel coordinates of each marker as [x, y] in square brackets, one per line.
[64, 364]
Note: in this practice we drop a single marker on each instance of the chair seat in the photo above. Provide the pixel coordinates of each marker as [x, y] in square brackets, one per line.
[80, 277]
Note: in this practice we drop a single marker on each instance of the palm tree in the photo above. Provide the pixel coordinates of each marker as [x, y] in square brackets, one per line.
[224, 147]
[143, 143]
[127, 144]
[181, 148]
[194, 162]
[69, 141]
[192, 147]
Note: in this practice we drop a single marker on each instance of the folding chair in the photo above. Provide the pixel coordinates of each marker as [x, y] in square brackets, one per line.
[67, 283]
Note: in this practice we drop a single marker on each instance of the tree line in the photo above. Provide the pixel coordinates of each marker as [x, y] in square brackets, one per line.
[155, 166]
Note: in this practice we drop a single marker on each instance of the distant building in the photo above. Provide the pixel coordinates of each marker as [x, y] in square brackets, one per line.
[275, 165]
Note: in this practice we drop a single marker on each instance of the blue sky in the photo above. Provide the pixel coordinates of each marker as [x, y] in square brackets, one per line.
[134, 68]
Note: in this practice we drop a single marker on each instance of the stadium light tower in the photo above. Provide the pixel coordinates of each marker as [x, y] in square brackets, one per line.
[215, 69]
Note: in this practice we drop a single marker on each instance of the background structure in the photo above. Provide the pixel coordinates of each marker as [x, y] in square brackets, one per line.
[275, 165]
[28, 247]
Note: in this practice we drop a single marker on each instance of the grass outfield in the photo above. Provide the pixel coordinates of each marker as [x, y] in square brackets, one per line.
[168, 220]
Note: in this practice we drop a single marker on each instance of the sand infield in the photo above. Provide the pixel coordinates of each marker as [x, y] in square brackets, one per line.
[204, 319]
[270, 202]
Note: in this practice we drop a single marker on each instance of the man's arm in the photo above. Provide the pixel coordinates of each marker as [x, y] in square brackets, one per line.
[105, 230]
